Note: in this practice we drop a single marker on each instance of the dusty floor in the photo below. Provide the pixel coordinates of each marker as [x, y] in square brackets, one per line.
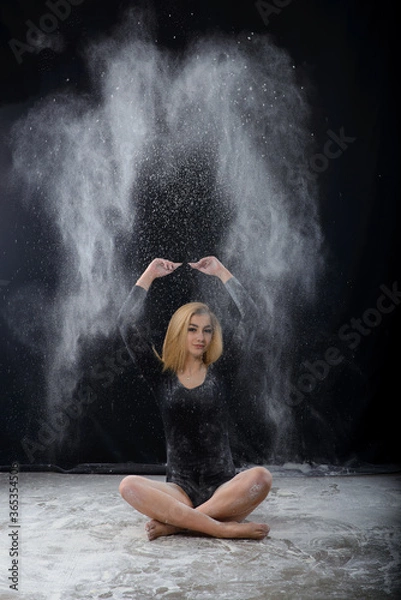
[331, 537]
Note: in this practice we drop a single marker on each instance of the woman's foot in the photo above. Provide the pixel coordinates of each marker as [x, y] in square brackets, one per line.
[232, 529]
[252, 531]
[156, 529]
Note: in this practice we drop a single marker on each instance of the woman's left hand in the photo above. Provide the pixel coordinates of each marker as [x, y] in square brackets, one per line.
[210, 265]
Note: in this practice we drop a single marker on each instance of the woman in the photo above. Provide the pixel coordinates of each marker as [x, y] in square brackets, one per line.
[202, 492]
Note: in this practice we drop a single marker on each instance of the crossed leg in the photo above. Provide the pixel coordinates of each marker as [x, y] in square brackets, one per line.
[171, 510]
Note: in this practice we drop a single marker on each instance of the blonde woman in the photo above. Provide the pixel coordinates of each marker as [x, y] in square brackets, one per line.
[202, 492]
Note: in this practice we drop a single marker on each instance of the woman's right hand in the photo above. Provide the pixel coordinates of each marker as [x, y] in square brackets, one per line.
[159, 267]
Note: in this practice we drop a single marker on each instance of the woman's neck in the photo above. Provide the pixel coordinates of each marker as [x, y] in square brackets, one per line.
[193, 373]
[193, 365]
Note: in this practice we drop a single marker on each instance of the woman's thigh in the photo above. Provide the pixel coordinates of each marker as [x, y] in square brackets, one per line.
[172, 489]
[237, 498]
[250, 481]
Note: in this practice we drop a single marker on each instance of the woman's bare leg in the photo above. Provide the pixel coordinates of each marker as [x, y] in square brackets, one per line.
[236, 499]
[232, 501]
[169, 505]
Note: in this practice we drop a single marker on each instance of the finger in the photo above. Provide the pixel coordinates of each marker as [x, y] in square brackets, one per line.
[169, 265]
[173, 265]
[162, 265]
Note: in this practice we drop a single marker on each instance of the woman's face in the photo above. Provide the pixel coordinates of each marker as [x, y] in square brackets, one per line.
[199, 335]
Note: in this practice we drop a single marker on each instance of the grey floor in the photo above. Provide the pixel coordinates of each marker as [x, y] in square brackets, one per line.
[331, 537]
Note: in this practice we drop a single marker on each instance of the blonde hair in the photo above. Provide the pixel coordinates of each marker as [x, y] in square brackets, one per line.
[174, 345]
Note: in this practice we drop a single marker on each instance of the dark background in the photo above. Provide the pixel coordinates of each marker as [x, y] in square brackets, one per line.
[348, 51]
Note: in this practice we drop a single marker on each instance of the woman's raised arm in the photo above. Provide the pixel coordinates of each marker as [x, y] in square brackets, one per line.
[243, 331]
[134, 328]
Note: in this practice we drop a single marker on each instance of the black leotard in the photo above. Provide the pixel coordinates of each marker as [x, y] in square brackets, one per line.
[195, 420]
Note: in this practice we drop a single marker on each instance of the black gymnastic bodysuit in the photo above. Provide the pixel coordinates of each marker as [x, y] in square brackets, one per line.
[195, 420]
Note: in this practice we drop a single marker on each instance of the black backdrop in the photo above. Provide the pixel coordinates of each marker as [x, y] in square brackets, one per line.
[346, 49]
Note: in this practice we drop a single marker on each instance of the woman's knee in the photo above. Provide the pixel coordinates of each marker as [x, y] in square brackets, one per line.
[130, 486]
[261, 480]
